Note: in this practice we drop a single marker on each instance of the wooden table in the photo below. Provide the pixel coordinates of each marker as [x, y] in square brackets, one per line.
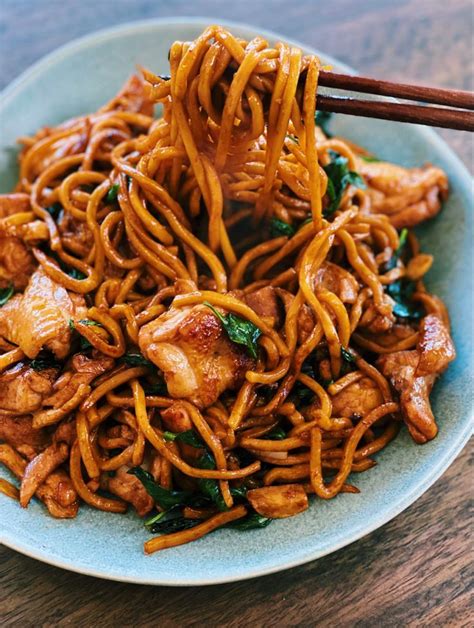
[414, 571]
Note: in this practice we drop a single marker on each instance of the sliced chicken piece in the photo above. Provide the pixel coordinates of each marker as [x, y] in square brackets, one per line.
[358, 398]
[22, 389]
[195, 354]
[337, 280]
[265, 303]
[413, 373]
[306, 321]
[16, 261]
[57, 492]
[40, 317]
[75, 234]
[130, 489]
[14, 204]
[19, 430]
[435, 346]
[374, 321]
[278, 502]
[38, 469]
[176, 418]
[84, 370]
[407, 196]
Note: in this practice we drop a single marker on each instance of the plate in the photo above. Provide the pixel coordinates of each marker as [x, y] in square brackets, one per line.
[79, 78]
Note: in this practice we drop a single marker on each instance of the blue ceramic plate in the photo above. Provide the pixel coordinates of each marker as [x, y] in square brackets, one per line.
[79, 78]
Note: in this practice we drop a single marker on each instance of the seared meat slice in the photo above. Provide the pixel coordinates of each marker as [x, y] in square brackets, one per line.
[407, 196]
[84, 371]
[337, 280]
[22, 389]
[16, 262]
[19, 430]
[38, 469]
[131, 490]
[75, 234]
[265, 303]
[435, 346]
[13, 204]
[413, 373]
[40, 317]
[176, 418]
[197, 358]
[358, 398]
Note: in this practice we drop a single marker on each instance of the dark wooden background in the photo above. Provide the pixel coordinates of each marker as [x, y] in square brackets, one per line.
[417, 569]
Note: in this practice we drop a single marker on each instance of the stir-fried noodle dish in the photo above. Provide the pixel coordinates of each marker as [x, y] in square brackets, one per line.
[212, 309]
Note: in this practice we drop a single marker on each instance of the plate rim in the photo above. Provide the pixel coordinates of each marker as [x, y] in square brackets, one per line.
[450, 453]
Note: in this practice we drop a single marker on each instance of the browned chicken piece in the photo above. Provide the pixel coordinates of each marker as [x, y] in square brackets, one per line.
[337, 280]
[40, 317]
[130, 489]
[19, 430]
[265, 303]
[195, 354]
[374, 321]
[358, 398]
[413, 373]
[84, 371]
[38, 469]
[57, 492]
[75, 234]
[65, 432]
[388, 339]
[13, 204]
[278, 502]
[16, 261]
[435, 346]
[176, 418]
[407, 196]
[306, 320]
[22, 389]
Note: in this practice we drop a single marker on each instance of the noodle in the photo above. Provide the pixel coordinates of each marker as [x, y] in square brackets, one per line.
[233, 305]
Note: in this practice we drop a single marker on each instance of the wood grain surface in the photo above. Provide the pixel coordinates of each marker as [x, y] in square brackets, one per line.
[414, 571]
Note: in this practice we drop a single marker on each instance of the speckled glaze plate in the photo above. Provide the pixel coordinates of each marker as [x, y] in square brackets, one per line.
[79, 78]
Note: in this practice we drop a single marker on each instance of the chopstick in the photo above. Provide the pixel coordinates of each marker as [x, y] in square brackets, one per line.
[453, 118]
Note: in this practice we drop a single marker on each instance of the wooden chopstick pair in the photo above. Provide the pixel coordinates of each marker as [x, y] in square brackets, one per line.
[460, 116]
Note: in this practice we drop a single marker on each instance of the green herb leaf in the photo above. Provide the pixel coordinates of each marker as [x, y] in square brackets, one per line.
[277, 433]
[173, 525]
[369, 158]
[135, 359]
[89, 323]
[347, 356]
[76, 274]
[6, 294]
[280, 228]
[208, 487]
[251, 522]
[43, 361]
[339, 177]
[111, 196]
[322, 120]
[165, 498]
[401, 292]
[402, 240]
[190, 437]
[54, 210]
[239, 330]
